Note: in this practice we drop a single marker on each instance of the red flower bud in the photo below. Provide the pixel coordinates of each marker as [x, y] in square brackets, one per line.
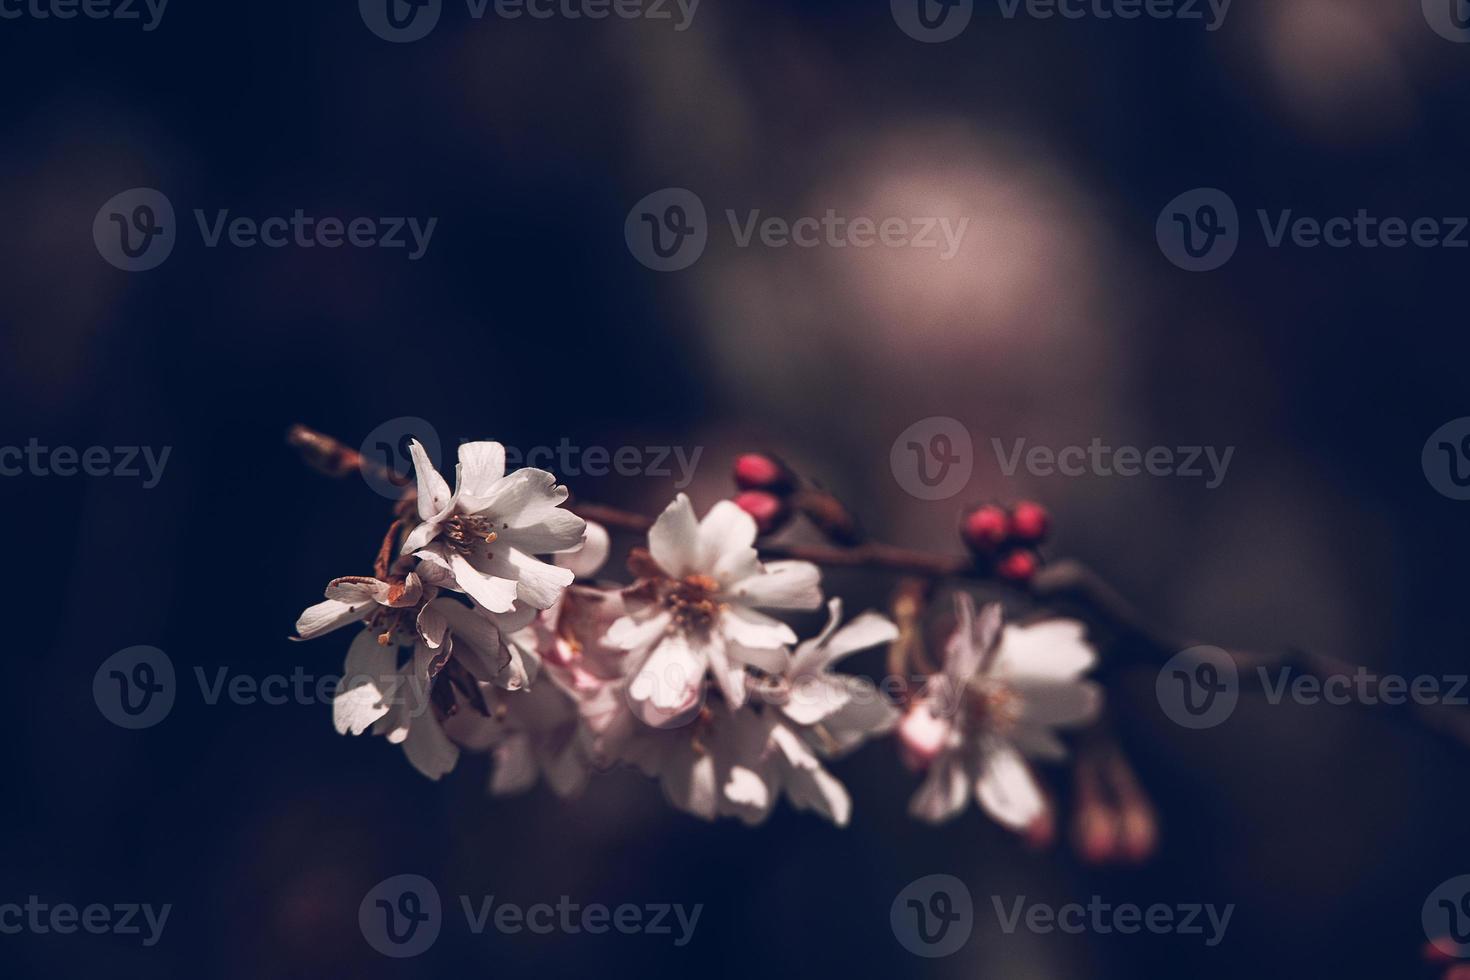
[1030, 522]
[1018, 566]
[756, 471]
[770, 511]
[985, 529]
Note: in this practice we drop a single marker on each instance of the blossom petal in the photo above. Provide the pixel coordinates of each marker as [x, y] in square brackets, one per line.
[689, 783]
[944, 792]
[671, 677]
[673, 541]
[369, 679]
[729, 676]
[753, 629]
[814, 698]
[522, 498]
[726, 538]
[1058, 704]
[428, 748]
[538, 583]
[514, 766]
[868, 630]
[327, 616]
[493, 593]
[481, 466]
[1055, 649]
[1006, 788]
[554, 531]
[587, 560]
[782, 585]
[434, 497]
[632, 633]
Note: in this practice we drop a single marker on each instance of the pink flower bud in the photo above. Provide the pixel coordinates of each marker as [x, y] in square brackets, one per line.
[755, 471]
[770, 512]
[1030, 522]
[985, 529]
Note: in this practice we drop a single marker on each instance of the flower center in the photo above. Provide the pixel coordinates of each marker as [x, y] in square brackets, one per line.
[692, 601]
[994, 706]
[464, 533]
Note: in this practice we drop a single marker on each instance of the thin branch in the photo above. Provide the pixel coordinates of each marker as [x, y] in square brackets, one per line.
[1068, 584]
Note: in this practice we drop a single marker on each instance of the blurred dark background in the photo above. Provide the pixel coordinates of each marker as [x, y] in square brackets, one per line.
[529, 321]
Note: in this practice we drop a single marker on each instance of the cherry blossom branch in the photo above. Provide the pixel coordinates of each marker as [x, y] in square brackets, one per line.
[1067, 584]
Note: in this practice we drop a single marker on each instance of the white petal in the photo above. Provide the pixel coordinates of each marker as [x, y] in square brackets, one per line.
[868, 630]
[944, 792]
[588, 559]
[538, 584]
[492, 592]
[419, 537]
[673, 541]
[753, 629]
[327, 616]
[1037, 742]
[1058, 704]
[633, 633]
[481, 465]
[818, 790]
[369, 679]
[689, 783]
[522, 498]
[814, 698]
[555, 530]
[726, 535]
[671, 677]
[867, 713]
[1007, 790]
[783, 585]
[431, 622]
[729, 676]
[434, 498]
[1055, 649]
[428, 748]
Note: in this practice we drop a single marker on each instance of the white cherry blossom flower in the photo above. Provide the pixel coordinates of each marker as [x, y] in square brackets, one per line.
[393, 700]
[486, 534]
[695, 609]
[1000, 697]
[739, 763]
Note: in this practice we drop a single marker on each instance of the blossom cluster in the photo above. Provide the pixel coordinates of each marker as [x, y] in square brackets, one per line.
[490, 631]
